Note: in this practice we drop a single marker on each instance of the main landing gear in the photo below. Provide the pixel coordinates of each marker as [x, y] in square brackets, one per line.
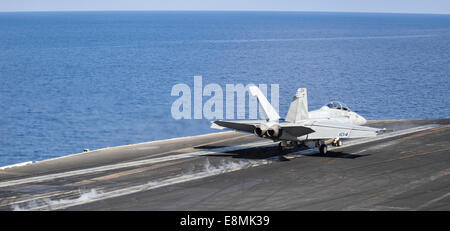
[283, 145]
[321, 144]
[323, 149]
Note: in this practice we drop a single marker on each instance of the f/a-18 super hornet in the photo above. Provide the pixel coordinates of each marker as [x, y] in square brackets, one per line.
[314, 129]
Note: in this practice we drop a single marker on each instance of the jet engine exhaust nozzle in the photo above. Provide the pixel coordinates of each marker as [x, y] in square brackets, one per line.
[260, 130]
[274, 131]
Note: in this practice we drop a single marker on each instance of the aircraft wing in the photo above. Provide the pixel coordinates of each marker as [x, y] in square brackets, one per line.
[332, 129]
[338, 124]
[314, 129]
[250, 125]
[243, 125]
[296, 130]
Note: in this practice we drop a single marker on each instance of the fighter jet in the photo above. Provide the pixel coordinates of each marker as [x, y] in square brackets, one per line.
[314, 129]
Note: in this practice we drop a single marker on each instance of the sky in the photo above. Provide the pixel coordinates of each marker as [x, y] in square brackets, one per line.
[389, 6]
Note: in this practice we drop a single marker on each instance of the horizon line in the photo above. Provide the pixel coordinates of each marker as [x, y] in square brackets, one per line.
[286, 11]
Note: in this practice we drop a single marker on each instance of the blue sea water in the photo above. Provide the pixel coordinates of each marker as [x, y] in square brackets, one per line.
[75, 80]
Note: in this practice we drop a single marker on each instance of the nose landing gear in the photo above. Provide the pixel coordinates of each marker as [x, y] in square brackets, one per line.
[337, 143]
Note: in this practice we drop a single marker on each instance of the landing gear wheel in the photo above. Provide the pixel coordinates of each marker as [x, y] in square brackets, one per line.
[323, 149]
[339, 143]
[280, 147]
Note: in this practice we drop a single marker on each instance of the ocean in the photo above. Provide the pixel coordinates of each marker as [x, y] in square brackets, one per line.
[76, 80]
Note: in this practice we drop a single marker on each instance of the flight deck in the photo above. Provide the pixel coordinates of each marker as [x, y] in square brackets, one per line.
[407, 168]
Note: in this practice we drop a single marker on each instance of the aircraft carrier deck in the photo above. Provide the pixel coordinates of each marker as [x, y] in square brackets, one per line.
[406, 169]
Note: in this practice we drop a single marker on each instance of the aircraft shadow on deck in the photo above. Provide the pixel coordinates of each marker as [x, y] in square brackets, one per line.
[337, 154]
[265, 152]
[248, 153]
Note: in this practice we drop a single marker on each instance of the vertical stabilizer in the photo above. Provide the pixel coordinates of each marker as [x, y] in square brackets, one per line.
[299, 107]
[269, 111]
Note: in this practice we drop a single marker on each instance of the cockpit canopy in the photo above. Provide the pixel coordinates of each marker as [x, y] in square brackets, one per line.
[338, 105]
